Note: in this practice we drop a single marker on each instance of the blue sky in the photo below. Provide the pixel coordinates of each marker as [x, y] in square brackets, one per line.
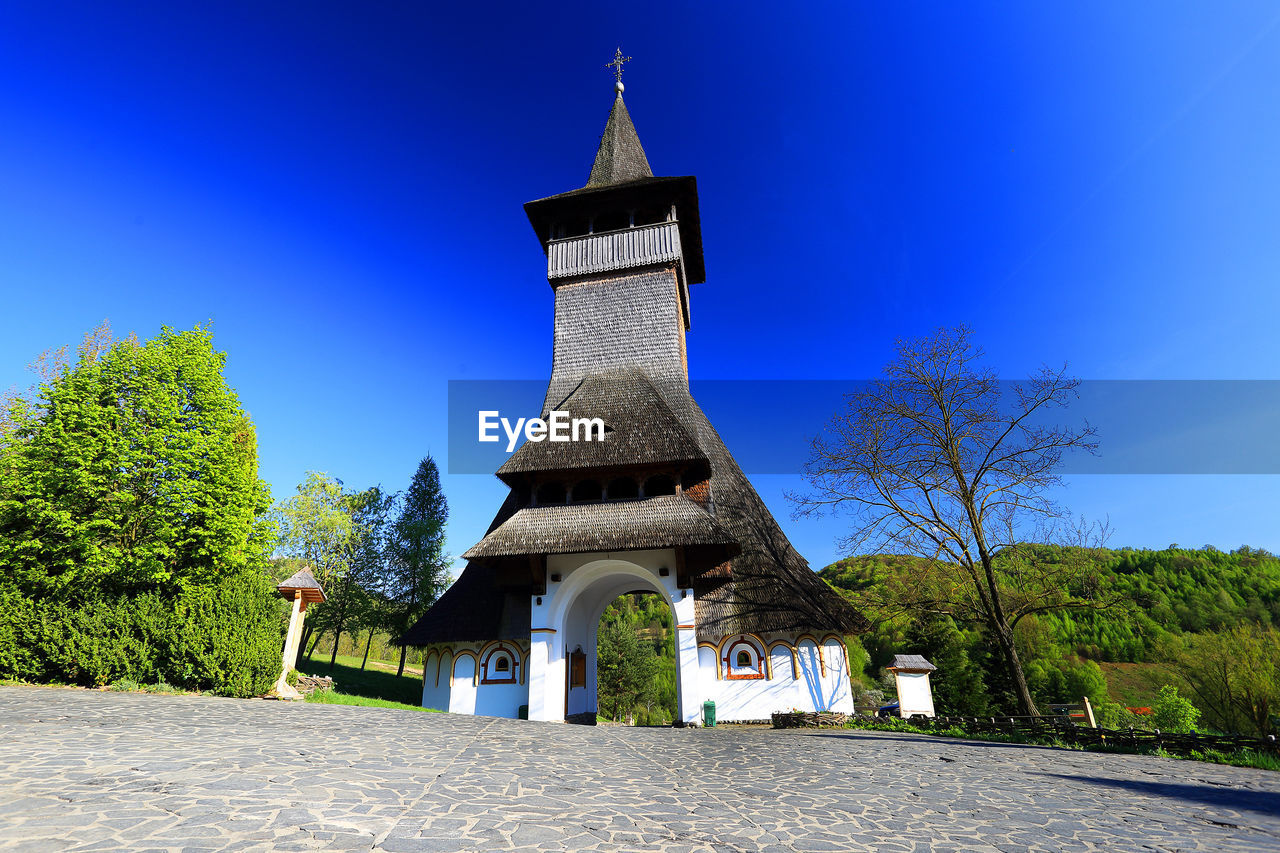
[338, 188]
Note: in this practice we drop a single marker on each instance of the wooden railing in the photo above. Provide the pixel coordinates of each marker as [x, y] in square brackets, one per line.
[1131, 738]
[1049, 727]
[614, 250]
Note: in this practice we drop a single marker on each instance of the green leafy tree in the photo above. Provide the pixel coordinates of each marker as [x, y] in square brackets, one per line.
[419, 568]
[958, 686]
[1235, 675]
[355, 594]
[314, 526]
[133, 536]
[134, 468]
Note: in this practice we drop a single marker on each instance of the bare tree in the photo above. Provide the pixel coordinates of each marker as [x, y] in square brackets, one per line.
[941, 460]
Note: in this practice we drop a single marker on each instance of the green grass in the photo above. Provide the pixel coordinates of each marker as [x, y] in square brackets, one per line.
[332, 697]
[1243, 758]
[368, 683]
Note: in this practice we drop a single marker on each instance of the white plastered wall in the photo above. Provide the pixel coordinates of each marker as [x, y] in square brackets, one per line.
[803, 672]
[451, 681]
[568, 615]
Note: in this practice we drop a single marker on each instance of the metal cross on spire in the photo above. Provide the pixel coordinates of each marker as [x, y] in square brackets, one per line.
[618, 61]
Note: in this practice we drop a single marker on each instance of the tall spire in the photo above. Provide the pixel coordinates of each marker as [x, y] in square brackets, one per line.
[621, 157]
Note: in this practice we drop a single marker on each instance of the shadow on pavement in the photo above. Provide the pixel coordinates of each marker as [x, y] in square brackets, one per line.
[1243, 799]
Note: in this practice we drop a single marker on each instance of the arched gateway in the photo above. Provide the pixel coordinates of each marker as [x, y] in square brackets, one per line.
[658, 504]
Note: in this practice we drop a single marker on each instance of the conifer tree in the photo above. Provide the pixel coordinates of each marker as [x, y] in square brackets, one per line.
[625, 669]
[419, 570]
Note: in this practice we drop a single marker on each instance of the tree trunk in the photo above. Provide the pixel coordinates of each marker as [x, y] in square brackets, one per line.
[315, 642]
[404, 650]
[367, 643]
[1009, 650]
[333, 658]
[307, 631]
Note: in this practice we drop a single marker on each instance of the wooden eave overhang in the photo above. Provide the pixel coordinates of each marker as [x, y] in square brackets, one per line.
[681, 191]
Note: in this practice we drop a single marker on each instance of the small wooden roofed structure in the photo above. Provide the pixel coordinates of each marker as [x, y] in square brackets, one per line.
[910, 663]
[302, 581]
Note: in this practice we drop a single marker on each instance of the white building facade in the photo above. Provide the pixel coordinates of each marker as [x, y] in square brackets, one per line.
[552, 673]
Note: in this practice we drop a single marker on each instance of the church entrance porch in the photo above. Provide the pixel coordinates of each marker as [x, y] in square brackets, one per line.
[563, 635]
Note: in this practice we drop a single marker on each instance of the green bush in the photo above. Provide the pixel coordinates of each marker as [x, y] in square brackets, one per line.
[1173, 713]
[162, 687]
[224, 638]
[231, 637]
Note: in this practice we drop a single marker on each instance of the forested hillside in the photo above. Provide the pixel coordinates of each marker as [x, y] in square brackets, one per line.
[1185, 609]
[1199, 619]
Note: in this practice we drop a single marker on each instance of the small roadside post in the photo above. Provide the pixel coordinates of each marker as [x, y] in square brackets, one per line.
[302, 589]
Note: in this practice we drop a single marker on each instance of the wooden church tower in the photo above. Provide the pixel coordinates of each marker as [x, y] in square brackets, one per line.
[658, 506]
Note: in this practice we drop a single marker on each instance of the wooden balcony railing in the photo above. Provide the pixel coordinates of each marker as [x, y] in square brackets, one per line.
[613, 250]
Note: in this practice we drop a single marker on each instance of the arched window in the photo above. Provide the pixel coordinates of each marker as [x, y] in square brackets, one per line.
[499, 667]
[743, 659]
[659, 484]
[623, 488]
[587, 490]
[550, 493]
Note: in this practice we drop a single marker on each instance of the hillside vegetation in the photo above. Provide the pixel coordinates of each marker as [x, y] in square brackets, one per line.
[1188, 617]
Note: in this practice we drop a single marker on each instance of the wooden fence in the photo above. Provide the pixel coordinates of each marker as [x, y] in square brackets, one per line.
[1061, 728]
[1131, 738]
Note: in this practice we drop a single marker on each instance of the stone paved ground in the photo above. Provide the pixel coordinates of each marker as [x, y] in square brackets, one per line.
[84, 770]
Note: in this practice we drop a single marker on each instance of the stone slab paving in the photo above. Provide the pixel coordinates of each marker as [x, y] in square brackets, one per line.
[88, 770]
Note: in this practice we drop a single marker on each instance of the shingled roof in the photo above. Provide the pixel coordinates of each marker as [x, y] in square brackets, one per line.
[911, 663]
[640, 429]
[620, 157]
[769, 587]
[475, 607]
[657, 522]
[302, 581]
